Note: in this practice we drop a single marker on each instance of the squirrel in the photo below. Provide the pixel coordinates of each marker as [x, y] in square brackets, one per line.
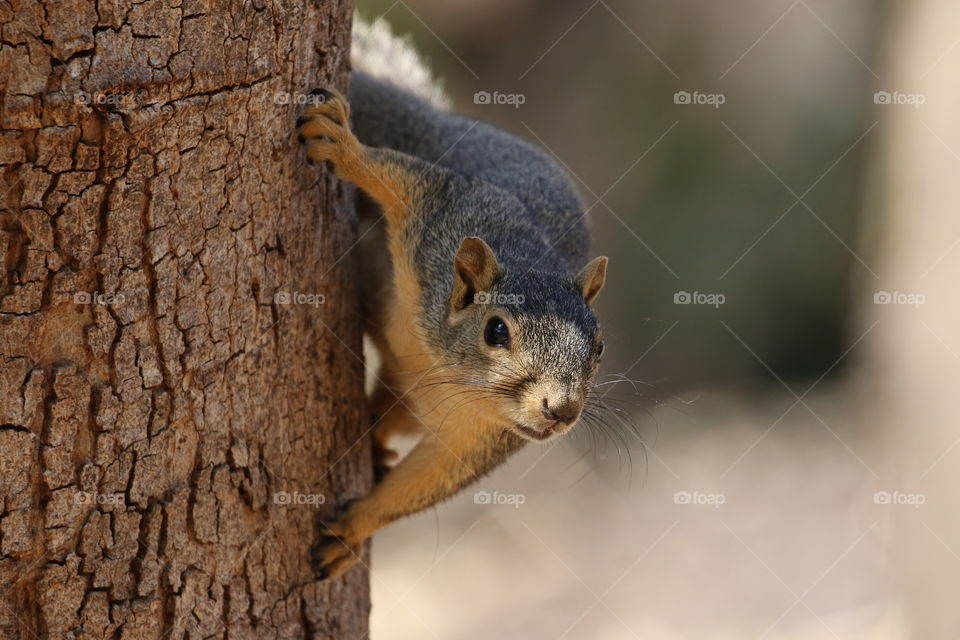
[482, 315]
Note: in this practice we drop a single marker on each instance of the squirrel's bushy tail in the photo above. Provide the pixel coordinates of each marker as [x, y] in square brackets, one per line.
[376, 50]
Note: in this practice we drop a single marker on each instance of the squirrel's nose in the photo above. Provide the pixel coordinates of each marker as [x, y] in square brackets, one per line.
[565, 412]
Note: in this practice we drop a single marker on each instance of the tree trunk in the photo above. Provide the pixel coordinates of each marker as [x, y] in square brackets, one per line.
[915, 350]
[182, 388]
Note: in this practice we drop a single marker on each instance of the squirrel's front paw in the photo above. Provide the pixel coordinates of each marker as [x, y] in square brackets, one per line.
[335, 550]
[325, 127]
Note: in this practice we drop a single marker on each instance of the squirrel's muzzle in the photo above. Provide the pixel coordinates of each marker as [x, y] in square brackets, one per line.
[566, 411]
[552, 415]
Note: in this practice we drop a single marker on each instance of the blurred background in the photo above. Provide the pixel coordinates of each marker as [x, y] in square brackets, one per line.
[774, 183]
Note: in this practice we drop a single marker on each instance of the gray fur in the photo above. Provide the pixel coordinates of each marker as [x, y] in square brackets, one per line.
[480, 181]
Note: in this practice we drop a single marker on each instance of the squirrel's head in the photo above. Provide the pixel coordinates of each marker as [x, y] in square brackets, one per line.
[527, 341]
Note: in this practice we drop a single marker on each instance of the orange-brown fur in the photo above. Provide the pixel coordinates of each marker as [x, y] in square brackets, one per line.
[461, 440]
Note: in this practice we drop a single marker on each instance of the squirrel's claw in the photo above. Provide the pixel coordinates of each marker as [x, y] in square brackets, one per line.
[324, 127]
[333, 553]
[336, 548]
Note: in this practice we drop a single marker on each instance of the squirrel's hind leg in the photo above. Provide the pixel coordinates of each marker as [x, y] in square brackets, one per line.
[390, 177]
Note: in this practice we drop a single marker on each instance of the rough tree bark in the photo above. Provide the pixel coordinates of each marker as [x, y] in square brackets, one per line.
[163, 392]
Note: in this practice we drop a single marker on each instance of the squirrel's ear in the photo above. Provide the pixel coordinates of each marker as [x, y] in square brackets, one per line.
[591, 277]
[474, 270]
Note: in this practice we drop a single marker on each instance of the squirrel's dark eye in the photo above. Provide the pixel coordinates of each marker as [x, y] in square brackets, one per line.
[496, 333]
[600, 348]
